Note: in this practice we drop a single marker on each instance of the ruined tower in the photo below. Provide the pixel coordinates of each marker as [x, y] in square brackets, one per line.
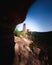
[24, 27]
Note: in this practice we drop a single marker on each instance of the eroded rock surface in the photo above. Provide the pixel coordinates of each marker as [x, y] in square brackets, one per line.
[12, 12]
[23, 54]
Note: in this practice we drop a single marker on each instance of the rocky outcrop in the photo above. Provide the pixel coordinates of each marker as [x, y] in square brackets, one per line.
[23, 53]
[12, 12]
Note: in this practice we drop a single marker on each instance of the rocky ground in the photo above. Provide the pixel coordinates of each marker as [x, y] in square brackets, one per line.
[23, 54]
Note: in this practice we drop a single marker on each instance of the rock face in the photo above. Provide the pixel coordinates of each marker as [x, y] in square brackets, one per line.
[12, 12]
[23, 53]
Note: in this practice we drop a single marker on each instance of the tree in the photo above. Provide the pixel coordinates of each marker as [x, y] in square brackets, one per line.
[16, 32]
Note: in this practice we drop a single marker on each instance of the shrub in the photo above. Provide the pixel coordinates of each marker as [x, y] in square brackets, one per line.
[16, 32]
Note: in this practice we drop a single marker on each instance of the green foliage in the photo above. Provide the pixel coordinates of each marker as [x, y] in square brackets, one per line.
[42, 38]
[16, 32]
[28, 33]
[23, 33]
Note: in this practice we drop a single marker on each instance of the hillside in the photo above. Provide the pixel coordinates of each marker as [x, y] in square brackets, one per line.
[27, 51]
[43, 38]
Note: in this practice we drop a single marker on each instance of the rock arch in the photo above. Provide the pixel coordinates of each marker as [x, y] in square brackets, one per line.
[12, 12]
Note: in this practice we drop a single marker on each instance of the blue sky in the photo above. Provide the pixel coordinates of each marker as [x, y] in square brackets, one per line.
[39, 17]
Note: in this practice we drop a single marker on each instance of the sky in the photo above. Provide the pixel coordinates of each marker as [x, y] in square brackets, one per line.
[39, 17]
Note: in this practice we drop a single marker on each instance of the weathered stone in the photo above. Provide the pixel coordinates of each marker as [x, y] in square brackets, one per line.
[12, 12]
